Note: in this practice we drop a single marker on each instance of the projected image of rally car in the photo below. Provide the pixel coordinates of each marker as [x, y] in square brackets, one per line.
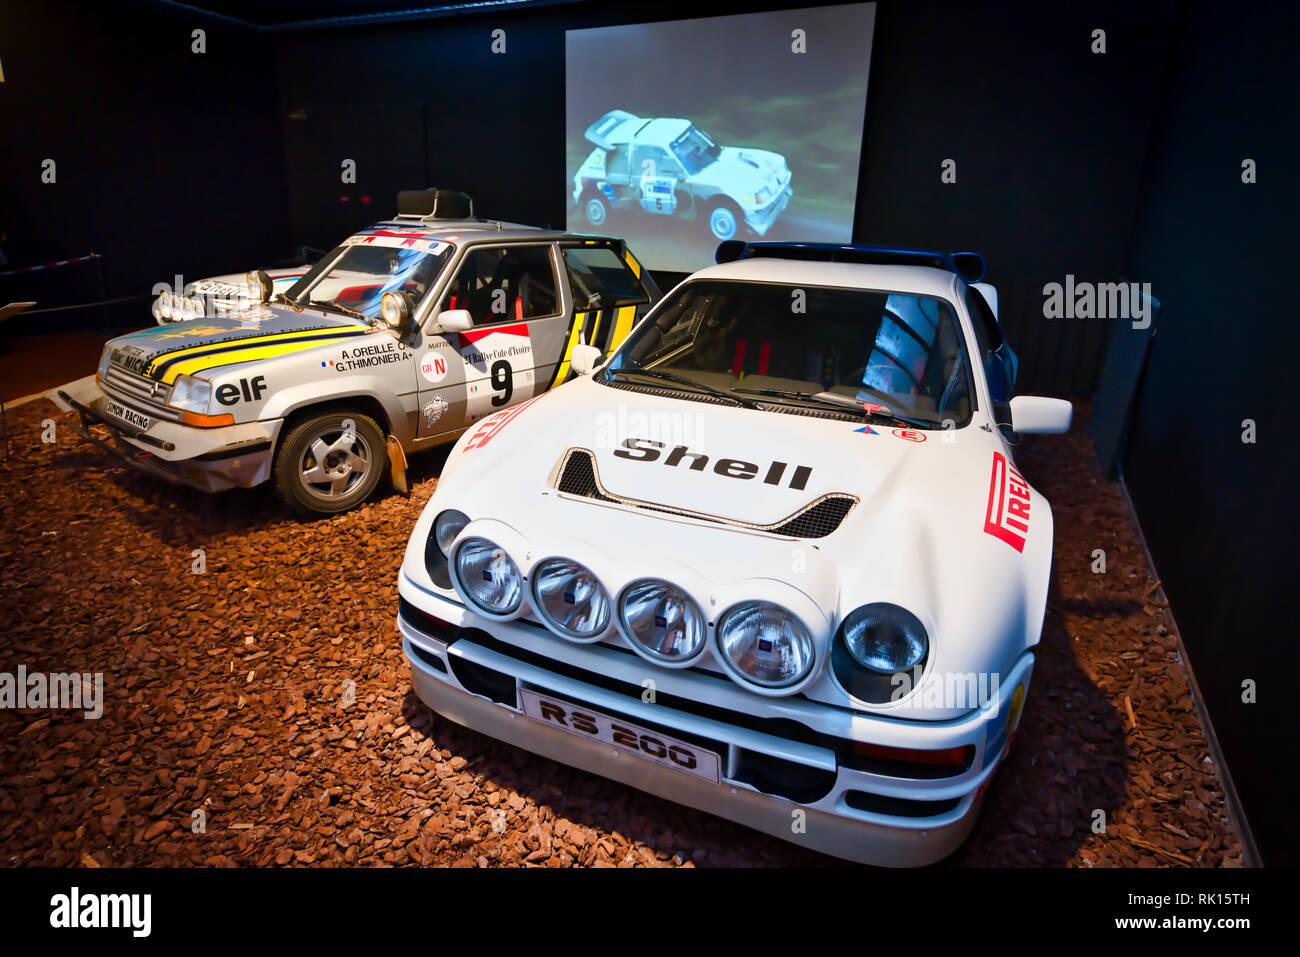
[399, 339]
[772, 559]
[670, 167]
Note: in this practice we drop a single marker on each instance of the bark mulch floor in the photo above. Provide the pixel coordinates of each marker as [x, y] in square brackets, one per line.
[270, 694]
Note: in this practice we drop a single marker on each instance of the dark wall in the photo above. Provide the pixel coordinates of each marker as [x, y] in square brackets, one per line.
[167, 161]
[1048, 137]
[1221, 516]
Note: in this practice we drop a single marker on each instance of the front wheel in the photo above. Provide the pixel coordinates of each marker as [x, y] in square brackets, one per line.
[330, 463]
[724, 221]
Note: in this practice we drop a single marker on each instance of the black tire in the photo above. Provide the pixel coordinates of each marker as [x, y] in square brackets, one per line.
[349, 472]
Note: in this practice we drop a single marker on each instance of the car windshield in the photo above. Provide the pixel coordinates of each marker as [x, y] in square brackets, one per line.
[855, 353]
[695, 150]
[355, 276]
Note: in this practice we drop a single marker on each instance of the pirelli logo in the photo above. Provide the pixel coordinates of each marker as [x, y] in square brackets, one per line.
[493, 424]
[1007, 515]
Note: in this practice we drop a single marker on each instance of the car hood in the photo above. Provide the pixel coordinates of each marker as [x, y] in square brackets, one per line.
[928, 530]
[157, 351]
[742, 169]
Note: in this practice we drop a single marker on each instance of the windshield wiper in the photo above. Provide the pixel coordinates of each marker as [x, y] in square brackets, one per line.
[839, 402]
[323, 304]
[686, 381]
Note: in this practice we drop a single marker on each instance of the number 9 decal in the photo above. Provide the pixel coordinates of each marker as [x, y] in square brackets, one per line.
[503, 381]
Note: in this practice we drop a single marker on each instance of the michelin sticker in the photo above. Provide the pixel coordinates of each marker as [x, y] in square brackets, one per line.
[433, 411]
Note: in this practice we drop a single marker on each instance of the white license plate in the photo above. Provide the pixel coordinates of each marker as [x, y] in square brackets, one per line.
[617, 733]
[129, 416]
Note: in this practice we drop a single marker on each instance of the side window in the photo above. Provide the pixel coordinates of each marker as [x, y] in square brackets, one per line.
[616, 161]
[647, 159]
[988, 338]
[600, 279]
[505, 283]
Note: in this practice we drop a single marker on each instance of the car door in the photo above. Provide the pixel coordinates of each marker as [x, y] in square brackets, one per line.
[519, 310]
[610, 291]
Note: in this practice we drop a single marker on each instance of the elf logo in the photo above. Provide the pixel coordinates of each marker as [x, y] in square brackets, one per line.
[247, 391]
[647, 450]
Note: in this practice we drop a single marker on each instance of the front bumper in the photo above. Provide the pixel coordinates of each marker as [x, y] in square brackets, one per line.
[236, 456]
[761, 220]
[789, 768]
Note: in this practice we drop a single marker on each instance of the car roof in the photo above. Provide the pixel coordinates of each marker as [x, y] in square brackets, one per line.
[916, 280]
[465, 231]
[663, 131]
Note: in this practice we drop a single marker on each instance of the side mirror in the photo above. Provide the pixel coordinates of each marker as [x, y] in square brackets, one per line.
[1039, 415]
[584, 359]
[456, 320]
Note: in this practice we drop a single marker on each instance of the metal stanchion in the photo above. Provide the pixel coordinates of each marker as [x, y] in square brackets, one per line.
[7, 312]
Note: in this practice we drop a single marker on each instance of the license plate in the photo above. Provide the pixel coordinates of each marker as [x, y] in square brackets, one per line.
[620, 734]
[129, 416]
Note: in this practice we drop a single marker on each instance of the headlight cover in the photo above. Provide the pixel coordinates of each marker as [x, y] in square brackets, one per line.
[662, 621]
[103, 361]
[875, 649]
[571, 599]
[765, 644]
[446, 527]
[190, 394]
[885, 638]
[489, 577]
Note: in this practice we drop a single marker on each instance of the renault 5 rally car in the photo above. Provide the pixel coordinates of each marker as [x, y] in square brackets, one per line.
[397, 340]
[772, 560]
[670, 167]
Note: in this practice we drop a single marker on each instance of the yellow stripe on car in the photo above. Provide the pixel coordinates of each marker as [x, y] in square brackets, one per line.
[626, 316]
[232, 356]
[268, 338]
[632, 264]
[575, 330]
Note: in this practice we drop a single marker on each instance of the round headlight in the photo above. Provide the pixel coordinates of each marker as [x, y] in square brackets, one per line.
[766, 644]
[395, 308]
[885, 638]
[489, 576]
[187, 308]
[662, 620]
[446, 527]
[253, 283]
[570, 598]
[165, 305]
[200, 308]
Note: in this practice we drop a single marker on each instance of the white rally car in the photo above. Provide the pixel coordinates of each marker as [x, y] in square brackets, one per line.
[668, 166]
[772, 560]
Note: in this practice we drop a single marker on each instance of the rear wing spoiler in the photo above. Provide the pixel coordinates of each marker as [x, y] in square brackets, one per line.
[603, 131]
[970, 266]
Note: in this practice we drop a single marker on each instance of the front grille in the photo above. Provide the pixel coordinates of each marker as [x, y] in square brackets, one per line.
[136, 390]
[578, 476]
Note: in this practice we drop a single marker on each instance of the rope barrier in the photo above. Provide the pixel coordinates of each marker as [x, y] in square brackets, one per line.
[89, 305]
[53, 265]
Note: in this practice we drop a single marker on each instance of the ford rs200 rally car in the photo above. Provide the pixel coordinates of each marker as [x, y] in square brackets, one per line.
[670, 167]
[773, 559]
[397, 340]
